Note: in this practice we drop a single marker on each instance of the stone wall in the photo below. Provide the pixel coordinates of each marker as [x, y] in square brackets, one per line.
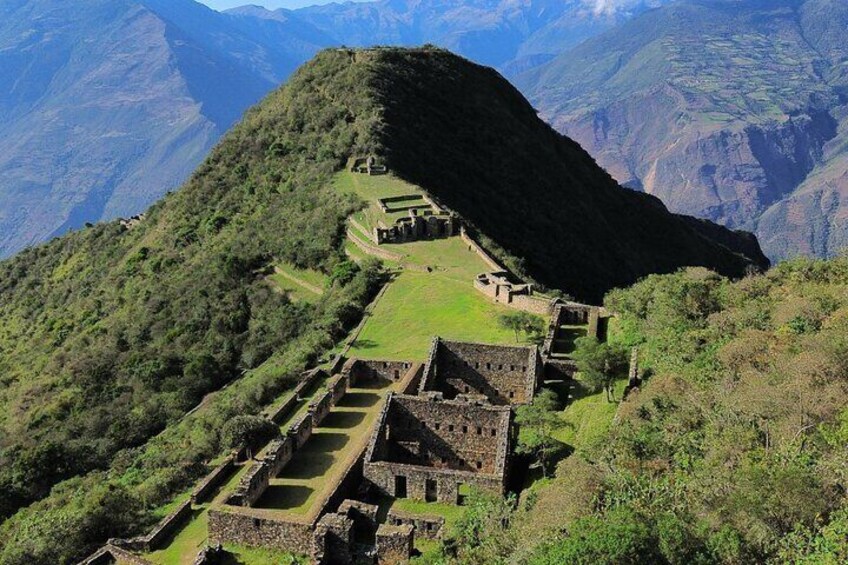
[477, 248]
[213, 480]
[364, 518]
[301, 430]
[278, 454]
[260, 529]
[394, 544]
[427, 527]
[333, 540]
[252, 485]
[501, 288]
[109, 554]
[308, 380]
[569, 314]
[429, 447]
[505, 375]
[379, 370]
[532, 304]
[320, 407]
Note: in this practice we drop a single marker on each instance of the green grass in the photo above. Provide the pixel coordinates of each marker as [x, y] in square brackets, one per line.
[589, 416]
[418, 306]
[305, 285]
[370, 189]
[449, 512]
[318, 465]
[239, 555]
[428, 548]
[185, 545]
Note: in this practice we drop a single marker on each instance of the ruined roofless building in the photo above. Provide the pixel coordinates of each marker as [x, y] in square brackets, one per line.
[504, 375]
[431, 449]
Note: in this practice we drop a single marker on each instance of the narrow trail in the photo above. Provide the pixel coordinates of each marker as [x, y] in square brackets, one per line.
[300, 282]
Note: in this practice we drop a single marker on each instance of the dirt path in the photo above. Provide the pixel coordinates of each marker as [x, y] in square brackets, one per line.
[300, 282]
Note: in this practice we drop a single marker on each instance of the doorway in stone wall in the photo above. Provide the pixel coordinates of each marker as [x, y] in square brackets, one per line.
[431, 493]
[400, 486]
[462, 492]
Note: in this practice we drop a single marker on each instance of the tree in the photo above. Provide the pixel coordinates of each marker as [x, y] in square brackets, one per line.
[538, 422]
[620, 536]
[532, 326]
[247, 431]
[482, 535]
[599, 363]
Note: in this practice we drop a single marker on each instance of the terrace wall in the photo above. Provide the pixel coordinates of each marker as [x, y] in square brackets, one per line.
[256, 529]
[477, 248]
[301, 430]
[213, 480]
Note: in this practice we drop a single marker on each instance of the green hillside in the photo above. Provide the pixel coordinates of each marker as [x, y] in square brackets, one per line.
[111, 335]
[733, 451]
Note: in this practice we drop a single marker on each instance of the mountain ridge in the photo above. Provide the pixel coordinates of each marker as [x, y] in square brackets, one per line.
[724, 110]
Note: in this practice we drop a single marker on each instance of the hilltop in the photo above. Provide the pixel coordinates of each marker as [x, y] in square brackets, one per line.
[106, 108]
[464, 134]
[729, 111]
[112, 333]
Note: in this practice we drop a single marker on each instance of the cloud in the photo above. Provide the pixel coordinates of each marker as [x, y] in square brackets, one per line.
[609, 7]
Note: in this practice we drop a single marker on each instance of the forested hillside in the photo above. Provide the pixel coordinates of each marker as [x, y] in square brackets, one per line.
[110, 334]
[735, 450]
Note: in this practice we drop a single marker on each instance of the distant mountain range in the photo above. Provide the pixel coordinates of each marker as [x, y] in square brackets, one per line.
[107, 106]
[732, 111]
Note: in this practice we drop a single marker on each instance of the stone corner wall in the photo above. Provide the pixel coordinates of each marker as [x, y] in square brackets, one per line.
[395, 543]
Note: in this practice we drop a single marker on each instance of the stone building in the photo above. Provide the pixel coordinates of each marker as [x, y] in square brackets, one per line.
[504, 375]
[417, 225]
[369, 166]
[568, 314]
[431, 449]
[504, 289]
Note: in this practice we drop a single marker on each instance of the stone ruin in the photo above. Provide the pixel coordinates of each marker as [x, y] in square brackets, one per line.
[425, 219]
[368, 166]
[502, 375]
[430, 448]
[448, 428]
[504, 289]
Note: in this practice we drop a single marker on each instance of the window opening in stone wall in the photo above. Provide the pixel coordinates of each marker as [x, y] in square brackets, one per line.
[430, 491]
[400, 486]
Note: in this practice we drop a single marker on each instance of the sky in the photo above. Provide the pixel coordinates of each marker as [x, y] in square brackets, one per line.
[270, 4]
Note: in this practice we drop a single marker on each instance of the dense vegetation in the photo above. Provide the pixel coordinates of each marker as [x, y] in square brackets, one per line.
[734, 451]
[109, 335]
